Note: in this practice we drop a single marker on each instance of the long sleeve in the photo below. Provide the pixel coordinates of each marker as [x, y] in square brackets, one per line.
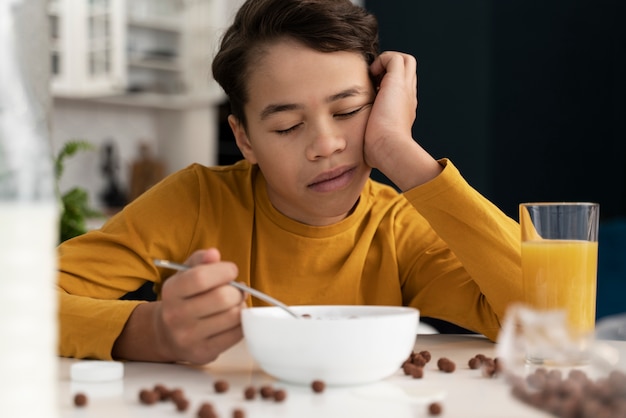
[193, 209]
[99, 267]
[486, 277]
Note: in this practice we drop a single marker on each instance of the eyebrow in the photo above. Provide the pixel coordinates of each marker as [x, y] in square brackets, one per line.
[272, 109]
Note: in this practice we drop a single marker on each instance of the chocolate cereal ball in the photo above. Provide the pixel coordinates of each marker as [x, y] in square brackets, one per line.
[176, 394]
[221, 386]
[280, 395]
[80, 399]
[446, 365]
[419, 360]
[407, 367]
[162, 391]
[411, 369]
[266, 391]
[426, 355]
[249, 393]
[435, 408]
[474, 363]
[490, 370]
[149, 397]
[182, 404]
[206, 410]
[318, 386]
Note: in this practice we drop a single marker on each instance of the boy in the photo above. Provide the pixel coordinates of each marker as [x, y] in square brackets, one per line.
[314, 108]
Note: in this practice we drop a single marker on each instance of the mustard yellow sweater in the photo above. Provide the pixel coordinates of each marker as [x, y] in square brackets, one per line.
[440, 247]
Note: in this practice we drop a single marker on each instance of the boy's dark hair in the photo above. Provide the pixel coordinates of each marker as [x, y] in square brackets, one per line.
[322, 25]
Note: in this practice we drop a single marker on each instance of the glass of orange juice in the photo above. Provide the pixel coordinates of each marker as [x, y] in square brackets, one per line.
[560, 262]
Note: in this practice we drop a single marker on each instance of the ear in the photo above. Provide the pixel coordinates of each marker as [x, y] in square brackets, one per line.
[241, 137]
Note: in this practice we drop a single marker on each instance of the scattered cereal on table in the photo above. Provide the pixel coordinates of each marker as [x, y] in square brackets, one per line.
[491, 367]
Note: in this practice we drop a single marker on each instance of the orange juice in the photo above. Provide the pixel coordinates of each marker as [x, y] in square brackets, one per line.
[561, 274]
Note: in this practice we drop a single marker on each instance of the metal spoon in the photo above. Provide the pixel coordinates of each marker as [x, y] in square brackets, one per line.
[260, 295]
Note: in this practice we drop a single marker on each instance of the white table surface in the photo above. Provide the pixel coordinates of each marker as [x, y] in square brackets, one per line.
[464, 393]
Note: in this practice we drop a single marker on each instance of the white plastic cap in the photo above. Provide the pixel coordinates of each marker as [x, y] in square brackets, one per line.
[96, 371]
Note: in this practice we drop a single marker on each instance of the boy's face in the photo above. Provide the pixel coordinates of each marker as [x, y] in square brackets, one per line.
[306, 119]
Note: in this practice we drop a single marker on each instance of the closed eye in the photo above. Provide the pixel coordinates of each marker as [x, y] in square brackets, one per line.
[351, 113]
[288, 130]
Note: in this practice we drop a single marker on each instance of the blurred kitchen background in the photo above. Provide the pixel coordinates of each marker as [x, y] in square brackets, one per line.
[132, 77]
[528, 98]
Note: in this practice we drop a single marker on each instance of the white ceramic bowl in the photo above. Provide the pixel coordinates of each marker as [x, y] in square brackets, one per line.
[340, 345]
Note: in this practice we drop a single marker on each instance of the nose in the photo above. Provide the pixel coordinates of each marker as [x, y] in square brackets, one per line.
[325, 141]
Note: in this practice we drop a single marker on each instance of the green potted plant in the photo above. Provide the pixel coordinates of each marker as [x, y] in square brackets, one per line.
[75, 209]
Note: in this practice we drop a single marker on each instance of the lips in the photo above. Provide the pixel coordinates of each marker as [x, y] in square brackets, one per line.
[332, 179]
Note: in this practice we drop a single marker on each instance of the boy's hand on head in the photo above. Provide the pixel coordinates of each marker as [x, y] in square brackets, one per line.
[199, 315]
[394, 109]
[389, 145]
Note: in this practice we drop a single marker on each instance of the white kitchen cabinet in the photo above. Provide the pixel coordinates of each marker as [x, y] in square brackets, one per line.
[88, 47]
[135, 71]
[150, 53]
